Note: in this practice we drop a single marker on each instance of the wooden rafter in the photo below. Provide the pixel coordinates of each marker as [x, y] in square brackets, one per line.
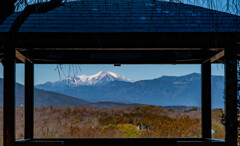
[216, 57]
[21, 57]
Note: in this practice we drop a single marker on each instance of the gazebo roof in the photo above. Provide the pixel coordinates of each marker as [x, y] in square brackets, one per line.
[124, 31]
[128, 16]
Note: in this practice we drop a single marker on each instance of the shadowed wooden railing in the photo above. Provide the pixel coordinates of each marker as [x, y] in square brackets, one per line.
[122, 142]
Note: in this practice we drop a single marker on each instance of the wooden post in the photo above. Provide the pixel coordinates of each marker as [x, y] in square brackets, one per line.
[29, 100]
[231, 96]
[9, 97]
[206, 99]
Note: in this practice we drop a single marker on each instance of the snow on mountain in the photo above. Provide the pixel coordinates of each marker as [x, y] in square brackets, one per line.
[165, 91]
[101, 78]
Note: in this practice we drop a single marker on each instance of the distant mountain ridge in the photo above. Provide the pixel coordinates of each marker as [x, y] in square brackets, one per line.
[163, 91]
[46, 98]
[101, 78]
[43, 98]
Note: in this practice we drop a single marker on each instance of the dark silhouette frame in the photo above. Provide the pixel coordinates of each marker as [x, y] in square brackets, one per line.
[215, 54]
[212, 42]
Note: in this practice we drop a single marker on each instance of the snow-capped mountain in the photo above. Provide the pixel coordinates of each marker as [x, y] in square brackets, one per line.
[101, 78]
[164, 91]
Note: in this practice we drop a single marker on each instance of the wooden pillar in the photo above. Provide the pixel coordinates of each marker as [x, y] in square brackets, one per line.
[29, 100]
[9, 97]
[206, 99]
[231, 96]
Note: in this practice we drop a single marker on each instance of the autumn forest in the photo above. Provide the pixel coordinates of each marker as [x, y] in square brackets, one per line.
[122, 122]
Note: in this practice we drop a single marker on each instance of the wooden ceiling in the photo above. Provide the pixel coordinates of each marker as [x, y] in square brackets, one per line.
[124, 32]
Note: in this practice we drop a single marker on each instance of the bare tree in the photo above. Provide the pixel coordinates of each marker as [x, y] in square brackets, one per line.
[36, 8]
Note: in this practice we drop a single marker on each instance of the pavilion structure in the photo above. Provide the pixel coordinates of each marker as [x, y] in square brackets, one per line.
[124, 32]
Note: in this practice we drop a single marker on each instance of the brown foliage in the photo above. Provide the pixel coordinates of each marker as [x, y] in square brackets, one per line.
[122, 122]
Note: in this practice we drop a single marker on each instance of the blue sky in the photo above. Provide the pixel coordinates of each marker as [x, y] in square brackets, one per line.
[220, 5]
[45, 73]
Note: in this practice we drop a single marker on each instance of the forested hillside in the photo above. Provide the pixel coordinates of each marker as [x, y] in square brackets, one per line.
[121, 122]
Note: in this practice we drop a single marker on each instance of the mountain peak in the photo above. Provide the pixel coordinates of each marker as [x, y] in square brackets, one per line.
[100, 78]
[104, 73]
[192, 76]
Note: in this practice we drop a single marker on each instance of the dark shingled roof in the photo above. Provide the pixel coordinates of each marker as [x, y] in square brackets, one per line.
[128, 16]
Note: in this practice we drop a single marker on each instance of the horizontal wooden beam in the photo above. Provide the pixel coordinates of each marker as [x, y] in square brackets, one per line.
[121, 39]
[150, 49]
[126, 141]
[118, 56]
[39, 143]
